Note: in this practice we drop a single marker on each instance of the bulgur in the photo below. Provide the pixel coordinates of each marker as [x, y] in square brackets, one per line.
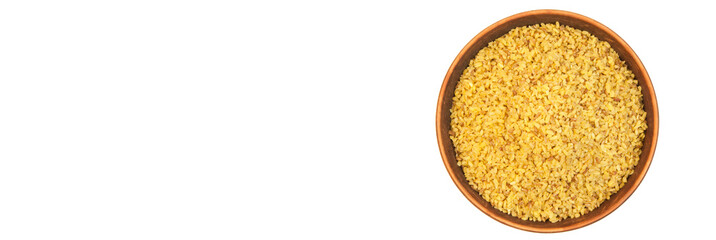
[547, 122]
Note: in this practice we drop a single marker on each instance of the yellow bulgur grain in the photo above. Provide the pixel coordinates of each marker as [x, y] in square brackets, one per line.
[547, 122]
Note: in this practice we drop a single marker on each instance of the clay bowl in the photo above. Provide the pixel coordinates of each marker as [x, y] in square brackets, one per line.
[500, 28]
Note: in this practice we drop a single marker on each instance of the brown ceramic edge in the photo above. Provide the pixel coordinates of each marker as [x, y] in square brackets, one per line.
[454, 176]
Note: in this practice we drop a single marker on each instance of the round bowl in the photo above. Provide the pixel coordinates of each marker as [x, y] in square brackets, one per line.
[502, 27]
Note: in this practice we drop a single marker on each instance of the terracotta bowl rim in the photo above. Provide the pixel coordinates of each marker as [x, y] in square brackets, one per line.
[512, 221]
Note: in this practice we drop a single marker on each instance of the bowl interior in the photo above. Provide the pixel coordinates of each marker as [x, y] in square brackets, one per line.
[530, 18]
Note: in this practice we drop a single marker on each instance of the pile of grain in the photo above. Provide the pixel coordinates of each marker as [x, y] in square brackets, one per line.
[547, 122]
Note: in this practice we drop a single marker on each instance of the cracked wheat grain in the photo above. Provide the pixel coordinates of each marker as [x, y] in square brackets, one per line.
[547, 122]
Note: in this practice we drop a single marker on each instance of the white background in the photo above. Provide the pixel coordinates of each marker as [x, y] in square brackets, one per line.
[297, 120]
